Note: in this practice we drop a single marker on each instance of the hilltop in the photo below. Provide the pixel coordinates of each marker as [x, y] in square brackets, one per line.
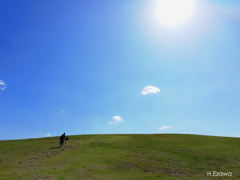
[121, 156]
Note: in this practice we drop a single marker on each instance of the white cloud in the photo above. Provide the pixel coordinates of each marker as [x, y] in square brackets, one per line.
[2, 85]
[150, 89]
[165, 127]
[116, 119]
[63, 111]
[48, 134]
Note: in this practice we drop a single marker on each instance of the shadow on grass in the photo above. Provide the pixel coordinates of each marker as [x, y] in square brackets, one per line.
[55, 147]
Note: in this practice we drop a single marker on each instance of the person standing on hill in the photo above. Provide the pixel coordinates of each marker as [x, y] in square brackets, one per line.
[62, 139]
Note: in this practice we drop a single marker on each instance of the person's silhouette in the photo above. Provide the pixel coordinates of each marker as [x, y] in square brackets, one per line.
[62, 139]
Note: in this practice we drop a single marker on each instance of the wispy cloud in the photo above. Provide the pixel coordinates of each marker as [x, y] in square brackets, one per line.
[116, 119]
[63, 111]
[48, 134]
[165, 127]
[2, 85]
[150, 89]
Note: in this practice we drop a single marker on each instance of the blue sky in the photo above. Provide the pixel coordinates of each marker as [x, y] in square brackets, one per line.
[80, 67]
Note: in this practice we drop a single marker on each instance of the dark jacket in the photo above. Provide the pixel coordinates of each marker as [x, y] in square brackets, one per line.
[62, 139]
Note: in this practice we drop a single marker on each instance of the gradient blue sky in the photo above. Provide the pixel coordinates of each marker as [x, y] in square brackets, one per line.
[80, 67]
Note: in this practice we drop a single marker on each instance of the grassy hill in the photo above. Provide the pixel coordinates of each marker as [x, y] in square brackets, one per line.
[121, 157]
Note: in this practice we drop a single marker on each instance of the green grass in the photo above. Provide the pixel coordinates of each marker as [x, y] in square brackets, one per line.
[120, 157]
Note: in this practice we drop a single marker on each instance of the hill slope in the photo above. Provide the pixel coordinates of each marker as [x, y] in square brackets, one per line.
[127, 157]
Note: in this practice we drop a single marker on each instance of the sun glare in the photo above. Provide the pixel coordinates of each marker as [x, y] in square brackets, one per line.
[174, 12]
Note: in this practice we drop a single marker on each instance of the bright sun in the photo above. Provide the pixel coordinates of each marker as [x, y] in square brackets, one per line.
[174, 12]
